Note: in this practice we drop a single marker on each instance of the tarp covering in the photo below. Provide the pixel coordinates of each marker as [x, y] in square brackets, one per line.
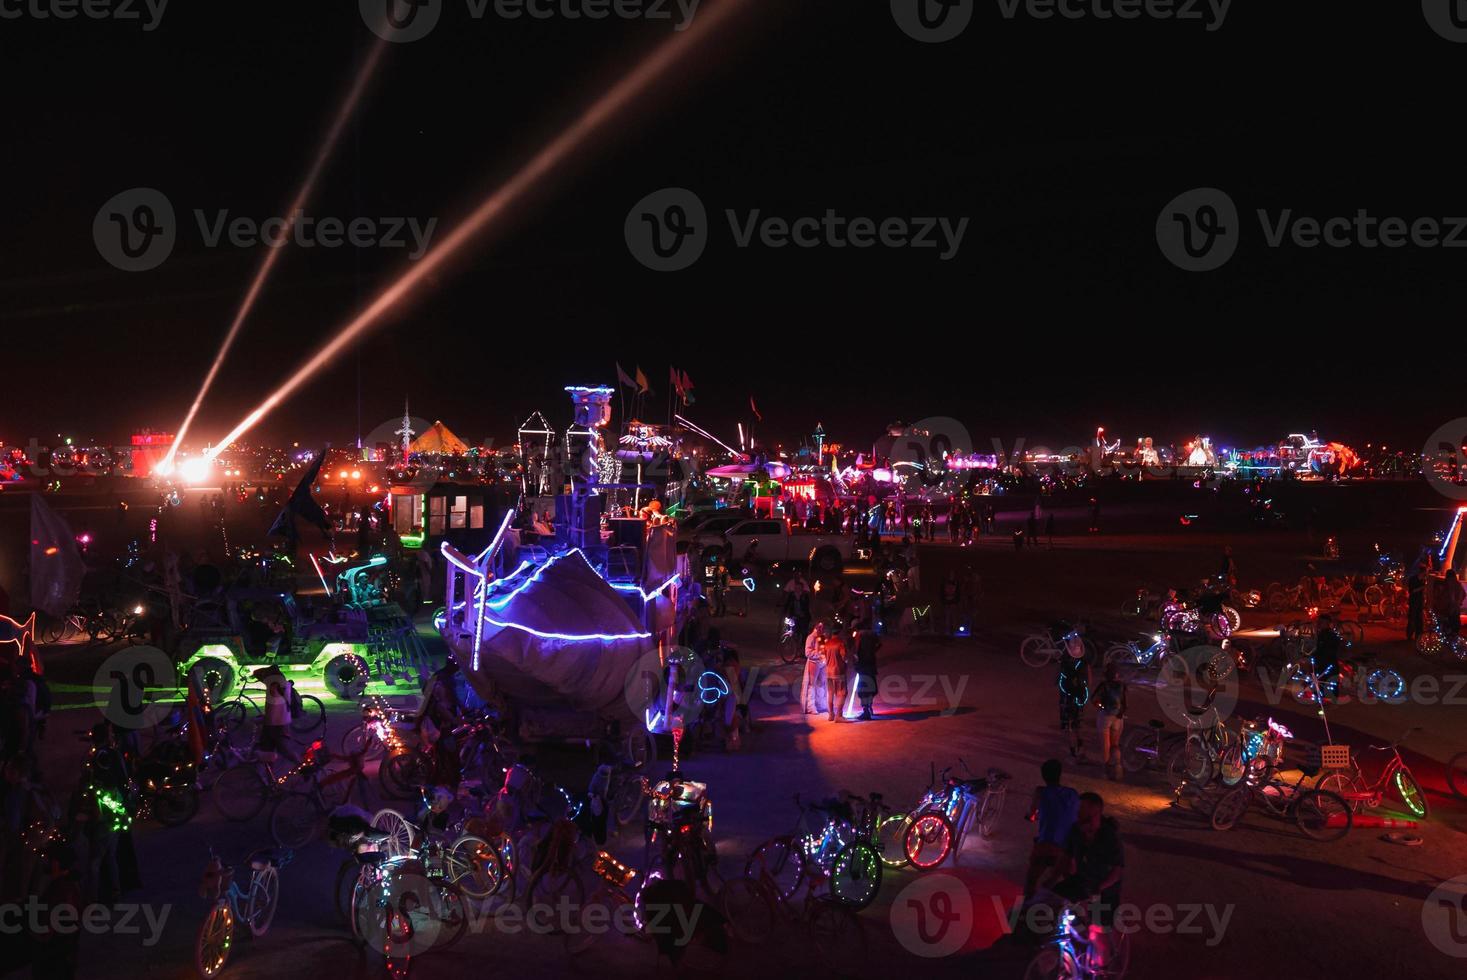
[562, 636]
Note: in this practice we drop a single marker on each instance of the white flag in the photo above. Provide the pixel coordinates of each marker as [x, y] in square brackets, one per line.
[56, 562]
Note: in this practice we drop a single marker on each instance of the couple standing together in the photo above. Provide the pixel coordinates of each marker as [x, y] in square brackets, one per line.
[830, 663]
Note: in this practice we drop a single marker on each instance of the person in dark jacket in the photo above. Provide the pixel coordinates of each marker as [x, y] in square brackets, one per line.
[865, 642]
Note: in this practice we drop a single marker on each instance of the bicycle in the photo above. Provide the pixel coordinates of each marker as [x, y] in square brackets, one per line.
[1347, 780]
[299, 817]
[1457, 775]
[255, 905]
[774, 875]
[941, 825]
[1202, 753]
[1070, 954]
[233, 713]
[610, 897]
[1042, 649]
[1150, 747]
[1320, 814]
[1375, 679]
[245, 788]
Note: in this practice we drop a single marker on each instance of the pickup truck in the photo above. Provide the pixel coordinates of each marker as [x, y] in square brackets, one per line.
[826, 553]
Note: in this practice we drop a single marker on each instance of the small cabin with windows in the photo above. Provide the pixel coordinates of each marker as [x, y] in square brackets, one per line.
[466, 515]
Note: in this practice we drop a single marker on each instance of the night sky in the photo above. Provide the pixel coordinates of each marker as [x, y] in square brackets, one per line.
[1060, 141]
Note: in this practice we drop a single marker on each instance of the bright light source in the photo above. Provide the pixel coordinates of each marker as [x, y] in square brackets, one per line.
[195, 470]
[356, 474]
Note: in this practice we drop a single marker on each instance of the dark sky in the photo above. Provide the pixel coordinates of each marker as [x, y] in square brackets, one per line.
[1059, 140]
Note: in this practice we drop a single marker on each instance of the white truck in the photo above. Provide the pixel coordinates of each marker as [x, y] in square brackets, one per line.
[826, 553]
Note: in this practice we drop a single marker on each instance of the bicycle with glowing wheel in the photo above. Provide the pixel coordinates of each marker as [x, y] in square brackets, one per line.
[255, 904]
[1349, 782]
[941, 824]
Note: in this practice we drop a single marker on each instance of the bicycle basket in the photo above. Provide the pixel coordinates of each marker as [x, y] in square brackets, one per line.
[1335, 756]
[612, 871]
[1302, 755]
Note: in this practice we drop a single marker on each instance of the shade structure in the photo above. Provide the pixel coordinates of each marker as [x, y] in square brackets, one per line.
[559, 635]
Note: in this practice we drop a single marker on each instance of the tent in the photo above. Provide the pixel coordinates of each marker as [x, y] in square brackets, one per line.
[560, 635]
[438, 440]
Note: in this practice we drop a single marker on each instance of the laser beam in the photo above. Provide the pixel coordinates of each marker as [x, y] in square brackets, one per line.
[592, 120]
[272, 253]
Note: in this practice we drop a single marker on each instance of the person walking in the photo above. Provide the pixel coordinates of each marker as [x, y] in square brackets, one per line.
[1074, 693]
[866, 643]
[1110, 699]
[836, 665]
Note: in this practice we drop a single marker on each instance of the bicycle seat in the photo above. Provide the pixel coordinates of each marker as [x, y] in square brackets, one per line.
[1158, 725]
[265, 857]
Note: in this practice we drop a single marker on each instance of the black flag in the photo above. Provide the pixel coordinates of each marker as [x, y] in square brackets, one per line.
[301, 504]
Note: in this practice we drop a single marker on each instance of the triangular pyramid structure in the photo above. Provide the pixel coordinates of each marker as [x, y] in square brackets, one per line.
[438, 440]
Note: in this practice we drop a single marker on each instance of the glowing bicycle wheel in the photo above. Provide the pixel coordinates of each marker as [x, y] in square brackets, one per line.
[929, 840]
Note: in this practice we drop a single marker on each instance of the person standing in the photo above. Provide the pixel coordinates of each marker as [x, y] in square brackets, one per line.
[1415, 603]
[1110, 699]
[914, 567]
[1052, 809]
[1094, 515]
[866, 643]
[720, 590]
[812, 685]
[277, 709]
[1449, 596]
[797, 603]
[951, 599]
[836, 665]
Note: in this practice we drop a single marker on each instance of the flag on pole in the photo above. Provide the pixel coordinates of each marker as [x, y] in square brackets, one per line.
[687, 389]
[677, 384]
[643, 387]
[755, 409]
[622, 377]
[56, 562]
